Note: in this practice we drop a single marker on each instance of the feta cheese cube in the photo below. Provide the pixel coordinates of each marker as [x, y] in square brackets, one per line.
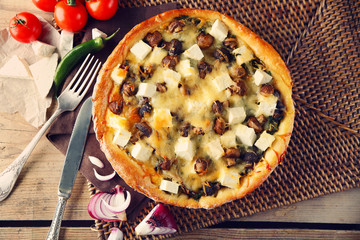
[185, 148]
[267, 106]
[265, 140]
[141, 152]
[157, 55]
[229, 178]
[121, 137]
[162, 118]
[140, 50]
[171, 78]
[96, 33]
[42, 49]
[118, 75]
[66, 42]
[43, 72]
[15, 67]
[195, 107]
[228, 139]
[185, 69]
[146, 90]
[222, 82]
[243, 55]
[169, 186]
[236, 115]
[219, 30]
[194, 52]
[261, 77]
[245, 134]
[214, 149]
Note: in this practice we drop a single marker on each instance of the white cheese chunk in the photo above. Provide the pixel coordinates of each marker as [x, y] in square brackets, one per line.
[222, 82]
[229, 178]
[141, 152]
[121, 137]
[236, 115]
[185, 148]
[172, 78]
[245, 134]
[42, 49]
[43, 72]
[185, 69]
[265, 140]
[214, 149]
[194, 52]
[228, 139]
[169, 186]
[146, 90]
[261, 77]
[267, 105]
[96, 33]
[15, 67]
[118, 75]
[162, 118]
[66, 42]
[192, 106]
[157, 55]
[140, 50]
[243, 55]
[219, 30]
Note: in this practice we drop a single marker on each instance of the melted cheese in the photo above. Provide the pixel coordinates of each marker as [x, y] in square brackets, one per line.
[173, 108]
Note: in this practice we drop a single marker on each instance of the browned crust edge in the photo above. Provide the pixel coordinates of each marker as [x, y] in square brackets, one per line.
[135, 175]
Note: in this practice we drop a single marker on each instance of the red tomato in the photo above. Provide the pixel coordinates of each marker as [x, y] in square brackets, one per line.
[45, 5]
[70, 17]
[25, 27]
[102, 9]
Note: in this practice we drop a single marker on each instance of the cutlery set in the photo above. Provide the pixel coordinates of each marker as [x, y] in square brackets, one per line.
[69, 99]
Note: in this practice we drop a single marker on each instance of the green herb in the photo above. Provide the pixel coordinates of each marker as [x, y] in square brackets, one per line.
[182, 17]
[273, 125]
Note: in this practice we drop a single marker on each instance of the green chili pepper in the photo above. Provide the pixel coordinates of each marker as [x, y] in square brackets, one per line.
[74, 56]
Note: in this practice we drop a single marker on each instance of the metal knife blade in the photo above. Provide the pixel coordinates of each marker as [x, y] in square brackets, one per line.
[75, 149]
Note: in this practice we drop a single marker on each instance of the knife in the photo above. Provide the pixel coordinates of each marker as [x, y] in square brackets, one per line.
[71, 166]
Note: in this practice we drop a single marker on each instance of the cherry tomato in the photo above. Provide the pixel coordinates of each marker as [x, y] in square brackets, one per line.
[45, 5]
[25, 27]
[102, 9]
[70, 15]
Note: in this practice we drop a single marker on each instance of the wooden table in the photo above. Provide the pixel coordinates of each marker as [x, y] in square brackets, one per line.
[27, 212]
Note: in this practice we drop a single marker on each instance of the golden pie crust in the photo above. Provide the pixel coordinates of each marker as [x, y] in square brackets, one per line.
[146, 180]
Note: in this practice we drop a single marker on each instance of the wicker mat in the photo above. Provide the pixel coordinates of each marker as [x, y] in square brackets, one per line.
[320, 42]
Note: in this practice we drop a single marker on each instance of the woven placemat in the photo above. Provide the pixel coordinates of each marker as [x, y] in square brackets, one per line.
[320, 42]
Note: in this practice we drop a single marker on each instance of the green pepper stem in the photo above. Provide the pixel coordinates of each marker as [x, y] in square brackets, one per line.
[111, 36]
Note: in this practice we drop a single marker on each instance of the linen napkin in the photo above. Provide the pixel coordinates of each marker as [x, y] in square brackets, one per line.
[60, 131]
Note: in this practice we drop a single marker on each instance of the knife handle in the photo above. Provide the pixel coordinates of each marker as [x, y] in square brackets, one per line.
[54, 230]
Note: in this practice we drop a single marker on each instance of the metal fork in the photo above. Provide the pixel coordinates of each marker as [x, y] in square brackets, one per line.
[67, 101]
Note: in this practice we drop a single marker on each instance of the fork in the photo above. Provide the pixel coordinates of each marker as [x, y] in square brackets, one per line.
[67, 101]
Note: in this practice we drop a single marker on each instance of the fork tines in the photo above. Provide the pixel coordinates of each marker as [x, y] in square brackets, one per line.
[80, 83]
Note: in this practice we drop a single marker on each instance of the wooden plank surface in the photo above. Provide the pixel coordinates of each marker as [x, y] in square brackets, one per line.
[205, 234]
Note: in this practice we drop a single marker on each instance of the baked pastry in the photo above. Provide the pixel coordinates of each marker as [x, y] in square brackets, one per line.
[193, 109]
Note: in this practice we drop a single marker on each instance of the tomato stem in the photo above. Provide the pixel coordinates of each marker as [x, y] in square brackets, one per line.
[71, 3]
[19, 21]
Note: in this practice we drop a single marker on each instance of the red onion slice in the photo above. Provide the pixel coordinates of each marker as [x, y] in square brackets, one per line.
[158, 221]
[120, 206]
[116, 234]
[109, 206]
